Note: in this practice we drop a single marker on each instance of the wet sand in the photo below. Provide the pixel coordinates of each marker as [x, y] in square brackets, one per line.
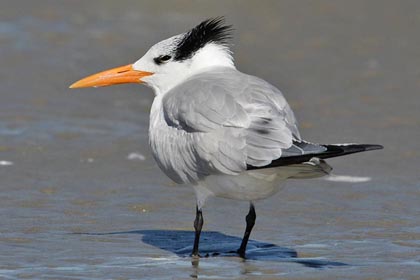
[81, 197]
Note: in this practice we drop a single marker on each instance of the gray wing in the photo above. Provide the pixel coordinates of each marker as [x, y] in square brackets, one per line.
[231, 120]
[301, 147]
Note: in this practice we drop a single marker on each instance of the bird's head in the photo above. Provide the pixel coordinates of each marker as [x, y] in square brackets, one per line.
[173, 60]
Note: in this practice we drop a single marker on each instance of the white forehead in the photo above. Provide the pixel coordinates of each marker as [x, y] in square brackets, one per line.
[165, 47]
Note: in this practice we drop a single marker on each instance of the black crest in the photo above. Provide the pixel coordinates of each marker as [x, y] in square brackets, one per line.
[209, 31]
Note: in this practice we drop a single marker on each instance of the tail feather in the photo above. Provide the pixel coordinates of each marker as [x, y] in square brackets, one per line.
[332, 150]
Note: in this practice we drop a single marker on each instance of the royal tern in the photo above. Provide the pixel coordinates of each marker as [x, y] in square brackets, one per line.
[226, 133]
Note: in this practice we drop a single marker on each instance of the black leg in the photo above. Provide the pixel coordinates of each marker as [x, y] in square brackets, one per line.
[198, 225]
[250, 222]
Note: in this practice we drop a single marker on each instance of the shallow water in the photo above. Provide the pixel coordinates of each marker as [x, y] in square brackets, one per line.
[81, 197]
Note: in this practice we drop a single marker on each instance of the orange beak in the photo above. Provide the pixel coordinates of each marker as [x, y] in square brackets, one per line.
[120, 75]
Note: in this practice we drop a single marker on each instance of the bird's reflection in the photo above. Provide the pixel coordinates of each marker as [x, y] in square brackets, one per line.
[216, 244]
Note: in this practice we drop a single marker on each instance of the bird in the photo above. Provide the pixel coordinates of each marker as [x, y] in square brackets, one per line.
[223, 132]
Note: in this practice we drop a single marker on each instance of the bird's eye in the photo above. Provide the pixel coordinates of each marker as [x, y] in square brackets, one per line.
[165, 58]
[162, 59]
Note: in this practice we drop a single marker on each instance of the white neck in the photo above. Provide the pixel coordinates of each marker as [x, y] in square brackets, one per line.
[212, 55]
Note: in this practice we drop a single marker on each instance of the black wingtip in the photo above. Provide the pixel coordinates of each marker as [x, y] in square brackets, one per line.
[351, 148]
[333, 150]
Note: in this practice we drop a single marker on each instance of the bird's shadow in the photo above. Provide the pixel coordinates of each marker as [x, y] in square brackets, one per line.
[216, 244]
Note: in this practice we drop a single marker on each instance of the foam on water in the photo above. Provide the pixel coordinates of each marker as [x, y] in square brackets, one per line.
[347, 179]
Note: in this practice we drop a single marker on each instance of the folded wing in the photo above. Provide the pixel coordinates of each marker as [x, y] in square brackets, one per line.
[231, 121]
